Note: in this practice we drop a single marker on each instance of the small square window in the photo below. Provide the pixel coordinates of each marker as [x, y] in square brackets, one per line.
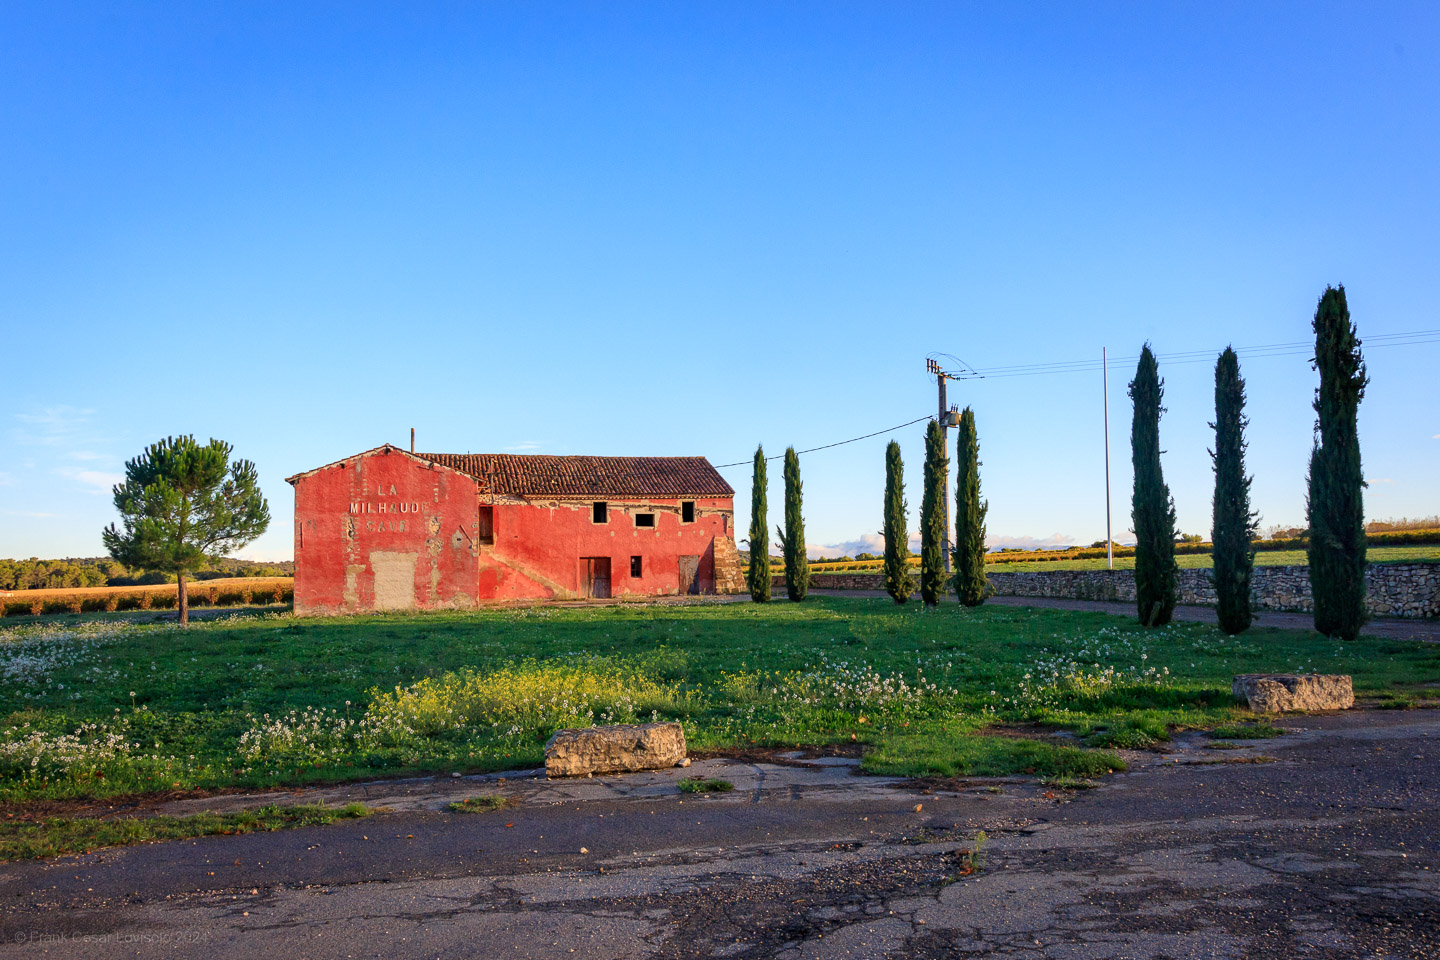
[687, 511]
[599, 512]
[635, 567]
[644, 519]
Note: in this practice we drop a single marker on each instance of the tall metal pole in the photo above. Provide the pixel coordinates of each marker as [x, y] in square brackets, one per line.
[1105, 382]
[945, 474]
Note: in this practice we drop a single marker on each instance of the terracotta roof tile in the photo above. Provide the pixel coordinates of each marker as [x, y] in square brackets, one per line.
[531, 475]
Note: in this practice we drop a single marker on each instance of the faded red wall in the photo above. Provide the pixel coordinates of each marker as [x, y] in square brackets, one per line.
[538, 547]
[376, 515]
[355, 540]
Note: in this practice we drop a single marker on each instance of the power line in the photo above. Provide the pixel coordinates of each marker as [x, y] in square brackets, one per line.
[838, 443]
[1294, 348]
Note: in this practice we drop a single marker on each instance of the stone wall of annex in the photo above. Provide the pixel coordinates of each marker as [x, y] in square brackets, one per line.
[1394, 589]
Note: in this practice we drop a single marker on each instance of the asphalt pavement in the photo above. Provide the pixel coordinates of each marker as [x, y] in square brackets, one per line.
[1322, 843]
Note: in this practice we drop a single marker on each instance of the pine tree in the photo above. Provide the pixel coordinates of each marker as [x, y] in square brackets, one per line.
[932, 517]
[792, 538]
[896, 533]
[970, 582]
[1233, 522]
[1152, 509]
[184, 507]
[1335, 507]
[758, 575]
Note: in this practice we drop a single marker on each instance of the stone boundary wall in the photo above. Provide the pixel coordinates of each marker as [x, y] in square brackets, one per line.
[1393, 589]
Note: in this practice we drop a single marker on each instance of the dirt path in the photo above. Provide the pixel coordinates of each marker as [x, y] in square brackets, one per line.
[1320, 844]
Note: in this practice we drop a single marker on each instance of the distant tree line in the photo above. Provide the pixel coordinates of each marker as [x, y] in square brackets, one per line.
[75, 572]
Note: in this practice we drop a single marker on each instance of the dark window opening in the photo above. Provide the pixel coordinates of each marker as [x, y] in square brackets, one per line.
[485, 528]
[635, 567]
[644, 519]
[599, 513]
[687, 511]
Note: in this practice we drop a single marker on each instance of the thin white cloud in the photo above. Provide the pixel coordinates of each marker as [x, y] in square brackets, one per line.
[85, 455]
[60, 417]
[865, 543]
[1379, 480]
[97, 481]
[28, 513]
[6, 480]
[1436, 437]
[52, 426]
[874, 543]
[996, 541]
[264, 555]
[524, 446]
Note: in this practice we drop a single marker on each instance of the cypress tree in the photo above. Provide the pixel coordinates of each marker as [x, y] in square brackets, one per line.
[896, 533]
[1233, 526]
[1335, 507]
[1152, 510]
[758, 576]
[792, 538]
[970, 582]
[932, 517]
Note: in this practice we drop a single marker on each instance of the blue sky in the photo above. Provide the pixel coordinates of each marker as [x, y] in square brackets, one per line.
[687, 228]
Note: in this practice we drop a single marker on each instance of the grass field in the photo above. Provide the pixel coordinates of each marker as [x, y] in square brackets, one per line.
[97, 707]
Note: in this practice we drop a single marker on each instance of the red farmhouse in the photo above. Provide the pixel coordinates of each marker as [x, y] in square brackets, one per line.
[390, 530]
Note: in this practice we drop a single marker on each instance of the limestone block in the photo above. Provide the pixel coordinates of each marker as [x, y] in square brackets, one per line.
[1281, 692]
[620, 748]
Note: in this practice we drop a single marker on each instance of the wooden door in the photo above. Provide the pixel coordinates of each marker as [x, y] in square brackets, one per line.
[597, 576]
[689, 575]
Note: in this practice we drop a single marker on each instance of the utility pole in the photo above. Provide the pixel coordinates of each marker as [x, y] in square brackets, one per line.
[1105, 389]
[947, 417]
[945, 472]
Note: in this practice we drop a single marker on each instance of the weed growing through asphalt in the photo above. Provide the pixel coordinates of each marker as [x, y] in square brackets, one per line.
[969, 860]
[53, 836]
[1070, 783]
[705, 785]
[484, 803]
[1246, 731]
